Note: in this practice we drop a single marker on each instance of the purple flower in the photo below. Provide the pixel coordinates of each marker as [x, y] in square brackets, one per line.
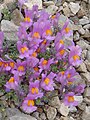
[13, 82]
[22, 34]
[74, 55]
[23, 49]
[21, 2]
[79, 89]
[54, 19]
[20, 68]
[66, 31]
[1, 40]
[28, 20]
[34, 89]
[28, 104]
[47, 81]
[45, 64]
[61, 53]
[69, 99]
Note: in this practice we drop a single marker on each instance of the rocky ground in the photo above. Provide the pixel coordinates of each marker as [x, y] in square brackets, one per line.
[78, 11]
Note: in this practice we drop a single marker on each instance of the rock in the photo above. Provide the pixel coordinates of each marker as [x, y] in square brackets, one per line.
[51, 9]
[64, 110]
[81, 13]
[17, 17]
[86, 26]
[36, 115]
[55, 102]
[88, 56]
[0, 115]
[11, 4]
[82, 106]
[81, 31]
[87, 92]
[87, 65]
[78, 98]
[87, 101]
[76, 27]
[66, 11]
[71, 118]
[76, 36]
[10, 30]
[82, 44]
[86, 77]
[75, 19]
[79, 80]
[51, 113]
[86, 114]
[84, 53]
[0, 16]
[2, 6]
[47, 3]
[22, 117]
[30, 4]
[43, 116]
[82, 68]
[83, 21]
[72, 109]
[74, 7]
[9, 1]
[63, 118]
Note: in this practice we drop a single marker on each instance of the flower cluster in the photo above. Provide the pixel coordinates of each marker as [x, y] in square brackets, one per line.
[44, 60]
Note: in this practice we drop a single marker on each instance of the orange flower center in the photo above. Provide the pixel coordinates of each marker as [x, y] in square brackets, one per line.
[62, 72]
[76, 57]
[36, 69]
[1, 63]
[24, 49]
[30, 103]
[11, 80]
[53, 16]
[44, 42]
[69, 83]
[47, 81]
[34, 90]
[61, 42]
[27, 19]
[69, 75]
[45, 62]
[70, 99]
[5, 64]
[67, 30]
[62, 52]
[36, 35]
[12, 64]
[38, 50]
[20, 68]
[48, 32]
[34, 54]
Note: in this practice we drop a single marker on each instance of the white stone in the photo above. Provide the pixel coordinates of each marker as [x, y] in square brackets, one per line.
[84, 21]
[78, 98]
[74, 7]
[51, 9]
[10, 30]
[82, 44]
[82, 67]
[64, 110]
[48, 3]
[81, 31]
[72, 109]
[30, 4]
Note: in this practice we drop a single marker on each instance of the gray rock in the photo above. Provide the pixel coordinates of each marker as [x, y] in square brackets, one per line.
[87, 92]
[36, 115]
[82, 106]
[64, 110]
[74, 7]
[76, 36]
[81, 31]
[87, 65]
[84, 21]
[55, 102]
[84, 54]
[47, 3]
[17, 17]
[88, 56]
[51, 9]
[82, 44]
[51, 113]
[79, 99]
[10, 30]
[86, 114]
[86, 26]
[22, 117]
[0, 115]
[82, 68]
[66, 11]
[86, 77]
[87, 101]
[43, 116]
[29, 4]
[81, 12]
